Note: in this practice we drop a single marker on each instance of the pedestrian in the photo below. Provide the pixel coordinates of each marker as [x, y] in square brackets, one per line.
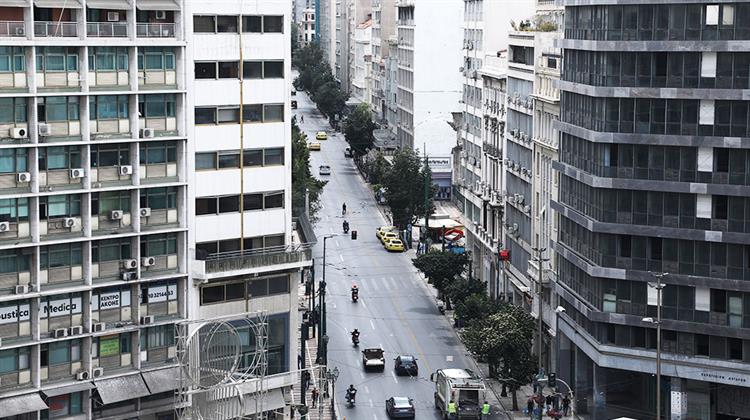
[452, 410]
[306, 379]
[530, 406]
[485, 410]
[566, 405]
[314, 396]
[548, 402]
[301, 119]
[299, 361]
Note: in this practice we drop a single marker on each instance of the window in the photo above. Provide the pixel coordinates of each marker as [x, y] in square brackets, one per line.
[159, 198]
[229, 204]
[15, 260]
[268, 286]
[105, 155]
[13, 110]
[222, 293]
[253, 157]
[159, 292]
[163, 244]
[157, 337]
[229, 115]
[108, 59]
[274, 200]
[108, 107]
[58, 108]
[261, 201]
[57, 59]
[14, 360]
[61, 352]
[59, 157]
[205, 206]
[12, 60]
[273, 113]
[204, 24]
[110, 250]
[13, 160]
[58, 206]
[253, 24]
[229, 160]
[103, 203]
[156, 58]
[63, 255]
[252, 70]
[229, 70]
[273, 156]
[205, 70]
[156, 106]
[205, 115]
[158, 152]
[204, 161]
[107, 299]
[227, 24]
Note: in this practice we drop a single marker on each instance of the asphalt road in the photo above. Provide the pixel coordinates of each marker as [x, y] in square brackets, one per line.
[395, 312]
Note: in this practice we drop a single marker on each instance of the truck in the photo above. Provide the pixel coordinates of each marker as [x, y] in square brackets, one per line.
[373, 359]
[462, 387]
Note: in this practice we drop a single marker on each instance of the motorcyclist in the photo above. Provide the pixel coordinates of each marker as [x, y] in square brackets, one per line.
[355, 335]
[351, 394]
[346, 226]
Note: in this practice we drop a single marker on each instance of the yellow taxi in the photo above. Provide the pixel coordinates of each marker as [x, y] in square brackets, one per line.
[383, 229]
[394, 245]
[387, 236]
[321, 135]
[314, 146]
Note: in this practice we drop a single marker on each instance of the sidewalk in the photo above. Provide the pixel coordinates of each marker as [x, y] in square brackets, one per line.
[323, 409]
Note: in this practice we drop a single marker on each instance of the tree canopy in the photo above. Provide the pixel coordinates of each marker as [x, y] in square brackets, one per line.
[302, 178]
[442, 269]
[404, 187]
[316, 78]
[358, 128]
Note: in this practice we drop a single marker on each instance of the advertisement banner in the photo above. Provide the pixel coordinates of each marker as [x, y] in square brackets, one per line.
[109, 300]
[60, 307]
[15, 313]
[162, 293]
[109, 346]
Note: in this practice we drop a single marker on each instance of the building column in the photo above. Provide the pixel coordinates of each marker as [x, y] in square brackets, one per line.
[678, 398]
[600, 392]
[583, 382]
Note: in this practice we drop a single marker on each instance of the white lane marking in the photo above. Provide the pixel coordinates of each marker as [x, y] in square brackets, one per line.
[372, 405]
[395, 379]
[375, 416]
[372, 324]
[362, 375]
[341, 257]
[367, 390]
[345, 330]
[337, 244]
[364, 305]
[448, 358]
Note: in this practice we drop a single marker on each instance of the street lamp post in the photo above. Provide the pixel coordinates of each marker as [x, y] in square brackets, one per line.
[323, 341]
[558, 311]
[658, 286]
[540, 327]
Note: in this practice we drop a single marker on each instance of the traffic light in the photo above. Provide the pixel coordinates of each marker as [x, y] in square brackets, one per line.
[354, 235]
[552, 380]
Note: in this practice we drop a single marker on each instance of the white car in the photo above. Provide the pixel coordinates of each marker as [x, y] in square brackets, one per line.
[324, 170]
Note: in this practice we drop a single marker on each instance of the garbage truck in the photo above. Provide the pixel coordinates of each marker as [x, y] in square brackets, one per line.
[462, 387]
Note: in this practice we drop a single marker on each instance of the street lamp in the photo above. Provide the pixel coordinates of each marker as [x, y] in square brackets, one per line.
[538, 258]
[323, 341]
[559, 310]
[658, 286]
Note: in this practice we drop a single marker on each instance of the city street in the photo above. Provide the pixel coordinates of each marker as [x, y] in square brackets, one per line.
[395, 312]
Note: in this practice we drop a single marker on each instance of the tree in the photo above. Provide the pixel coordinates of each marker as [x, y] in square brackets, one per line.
[504, 340]
[377, 169]
[442, 268]
[404, 188]
[475, 306]
[460, 289]
[358, 128]
[302, 178]
[330, 99]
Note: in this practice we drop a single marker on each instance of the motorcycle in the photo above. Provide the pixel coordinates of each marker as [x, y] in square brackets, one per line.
[355, 340]
[350, 398]
[346, 227]
[355, 295]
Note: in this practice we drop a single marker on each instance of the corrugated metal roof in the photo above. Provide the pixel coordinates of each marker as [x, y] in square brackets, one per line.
[21, 404]
[121, 388]
[162, 380]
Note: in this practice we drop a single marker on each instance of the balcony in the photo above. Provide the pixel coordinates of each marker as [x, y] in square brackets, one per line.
[56, 29]
[217, 265]
[155, 30]
[107, 29]
[9, 28]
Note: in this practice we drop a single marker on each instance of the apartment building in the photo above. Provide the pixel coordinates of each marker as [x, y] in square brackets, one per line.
[247, 257]
[653, 167]
[307, 27]
[326, 11]
[340, 50]
[94, 219]
[429, 48]
[362, 62]
[485, 38]
[383, 28]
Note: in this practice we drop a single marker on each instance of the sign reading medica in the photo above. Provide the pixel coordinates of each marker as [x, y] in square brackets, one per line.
[15, 313]
[439, 164]
[60, 307]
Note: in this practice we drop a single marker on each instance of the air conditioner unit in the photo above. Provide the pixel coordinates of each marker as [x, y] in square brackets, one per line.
[515, 227]
[521, 198]
[115, 215]
[69, 222]
[19, 133]
[147, 319]
[148, 261]
[43, 129]
[77, 330]
[4, 226]
[147, 133]
[160, 14]
[146, 212]
[99, 327]
[129, 264]
[113, 17]
[22, 289]
[83, 375]
[23, 177]
[513, 133]
[125, 170]
[97, 372]
[461, 69]
[60, 333]
[20, 31]
[521, 134]
[76, 173]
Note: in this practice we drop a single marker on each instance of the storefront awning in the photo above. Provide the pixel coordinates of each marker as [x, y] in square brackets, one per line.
[21, 404]
[120, 389]
[162, 380]
[157, 5]
[272, 400]
[109, 4]
[58, 4]
[15, 3]
[439, 223]
[81, 386]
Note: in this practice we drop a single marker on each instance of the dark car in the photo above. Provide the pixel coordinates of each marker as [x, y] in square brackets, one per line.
[294, 104]
[348, 152]
[400, 407]
[406, 365]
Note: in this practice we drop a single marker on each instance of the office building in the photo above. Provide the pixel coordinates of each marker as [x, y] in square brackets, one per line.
[653, 168]
[383, 29]
[361, 62]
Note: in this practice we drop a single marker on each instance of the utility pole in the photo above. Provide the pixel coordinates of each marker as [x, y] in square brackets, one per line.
[540, 275]
[426, 196]
[658, 286]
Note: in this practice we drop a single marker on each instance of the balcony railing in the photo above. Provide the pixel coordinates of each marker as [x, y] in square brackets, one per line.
[66, 29]
[107, 29]
[243, 260]
[12, 28]
[155, 30]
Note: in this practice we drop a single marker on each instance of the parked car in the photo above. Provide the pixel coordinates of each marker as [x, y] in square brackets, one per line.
[394, 245]
[348, 152]
[314, 146]
[387, 236]
[324, 170]
[406, 364]
[382, 230]
[321, 135]
[400, 407]
[294, 104]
